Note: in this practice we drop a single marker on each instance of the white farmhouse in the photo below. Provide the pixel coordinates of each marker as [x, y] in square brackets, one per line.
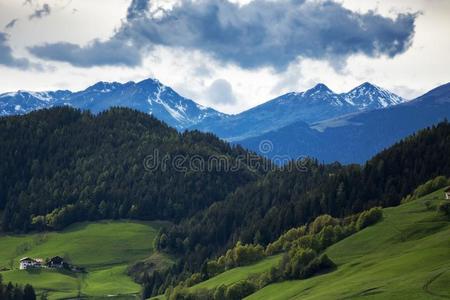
[28, 262]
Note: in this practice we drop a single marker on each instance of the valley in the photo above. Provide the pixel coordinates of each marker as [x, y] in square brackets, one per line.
[105, 249]
[224, 150]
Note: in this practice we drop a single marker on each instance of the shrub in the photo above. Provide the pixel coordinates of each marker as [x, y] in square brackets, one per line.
[322, 221]
[427, 188]
[194, 279]
[215, 267]
[318, 265]
[369, 217]
[444, 207]
[240, 290]
[240, 255]
[284, 242]
[295, 261]
[307, 241]
[219, 292]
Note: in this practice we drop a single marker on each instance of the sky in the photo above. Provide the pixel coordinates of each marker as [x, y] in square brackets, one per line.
[227, 54]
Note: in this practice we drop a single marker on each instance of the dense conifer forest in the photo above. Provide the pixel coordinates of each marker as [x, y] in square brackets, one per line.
[261, 211]
[62, 165]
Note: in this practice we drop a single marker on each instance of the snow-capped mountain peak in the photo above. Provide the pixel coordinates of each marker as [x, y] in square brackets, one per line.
[148, 95]
[104, 87]
[321, 93]
[369, 96]
[320, 88]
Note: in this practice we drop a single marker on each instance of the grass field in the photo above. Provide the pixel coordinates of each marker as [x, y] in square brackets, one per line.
[405, 256]
[240, 273]
[104, 248]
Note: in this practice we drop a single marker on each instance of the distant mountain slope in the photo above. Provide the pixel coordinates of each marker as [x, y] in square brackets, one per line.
[354, 138]
[22, 102]
[314, 105]
[149, 96]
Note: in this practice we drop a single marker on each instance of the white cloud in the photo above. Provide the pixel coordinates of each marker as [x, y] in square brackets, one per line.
[424, 66]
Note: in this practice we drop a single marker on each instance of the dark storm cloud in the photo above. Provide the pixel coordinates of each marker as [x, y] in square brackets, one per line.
[41, 12]
[6, 56]
[261, 33]
[137, 8]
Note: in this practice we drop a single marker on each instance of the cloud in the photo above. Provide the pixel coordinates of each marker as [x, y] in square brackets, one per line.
[98, 53]
[40, 12]
[6, 57]
[137, 8]
[11, 24]
[221, 92]
[259, 34]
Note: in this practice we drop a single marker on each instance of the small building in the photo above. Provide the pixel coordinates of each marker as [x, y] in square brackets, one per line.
[28, 262]
[56, 262]
[447, 193]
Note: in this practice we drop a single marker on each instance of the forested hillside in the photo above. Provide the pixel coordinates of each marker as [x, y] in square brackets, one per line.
[260, 211]
[62, 165]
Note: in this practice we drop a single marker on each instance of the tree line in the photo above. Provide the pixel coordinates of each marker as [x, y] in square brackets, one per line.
[10, 291]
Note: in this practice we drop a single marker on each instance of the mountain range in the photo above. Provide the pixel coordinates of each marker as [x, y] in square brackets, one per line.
[355, 137]
[314, 105]
[347, 127]
[149, 96]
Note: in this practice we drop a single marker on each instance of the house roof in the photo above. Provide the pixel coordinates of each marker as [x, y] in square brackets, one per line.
[57, 259]
[26, 258]
[447, 189]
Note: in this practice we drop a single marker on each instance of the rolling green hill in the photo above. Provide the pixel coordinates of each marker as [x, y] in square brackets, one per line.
[405, 256]
[105, 249]
[237, 274]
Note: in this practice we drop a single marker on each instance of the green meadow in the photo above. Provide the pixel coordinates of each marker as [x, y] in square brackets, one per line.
[240, 273]
[404, 256]
[104, 248]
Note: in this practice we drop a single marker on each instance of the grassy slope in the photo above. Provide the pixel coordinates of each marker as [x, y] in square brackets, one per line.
[405, 256]
[237, 274]
[104, 248]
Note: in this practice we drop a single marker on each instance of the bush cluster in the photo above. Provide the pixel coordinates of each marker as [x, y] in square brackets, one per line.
[427, 188]
[444, 207]
[302, 258]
